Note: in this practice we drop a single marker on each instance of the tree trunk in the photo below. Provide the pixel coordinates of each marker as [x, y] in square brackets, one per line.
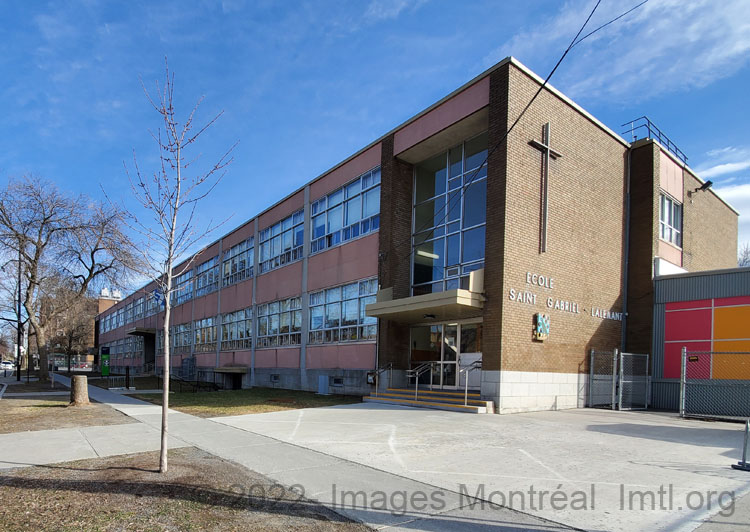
[79, 390]
[163, 465]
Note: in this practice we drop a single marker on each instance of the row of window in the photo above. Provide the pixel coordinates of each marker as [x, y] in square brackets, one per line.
[336, 315]
[346, 213]
[128, 347]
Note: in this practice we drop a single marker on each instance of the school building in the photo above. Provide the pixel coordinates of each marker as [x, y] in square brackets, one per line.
[447, 248]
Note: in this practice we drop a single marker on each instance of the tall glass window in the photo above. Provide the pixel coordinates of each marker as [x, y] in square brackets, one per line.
[280, 323]
[282, 242]
[238, 262]
[205, 335]
[181, 338]
[450, 211]
[346, 213]
[670, 220]
[183, 288]
[237, 330]
[338, 314]
[207, 277]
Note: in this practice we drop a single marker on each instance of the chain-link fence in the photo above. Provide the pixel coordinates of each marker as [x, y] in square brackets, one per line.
[715, 384]
[619, 380]
[634, 385]
[603, 379]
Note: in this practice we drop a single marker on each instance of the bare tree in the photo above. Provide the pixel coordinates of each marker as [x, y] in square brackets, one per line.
[169, 195]
[59, 237]
[743, 259]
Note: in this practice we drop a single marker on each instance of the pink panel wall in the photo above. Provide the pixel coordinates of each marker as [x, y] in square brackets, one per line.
[277, 358]
[670, 253]
[281, 211]
[460, 106]
[265, 358]
[345, 263]
[346, 172]
[341, 356]
[670, 176]
[281, 283]
[687, 325]
[206, 306]
[235, 358]
[732, 301]
[673, 360]
[237, 296]
[237, 236]
[203, 360]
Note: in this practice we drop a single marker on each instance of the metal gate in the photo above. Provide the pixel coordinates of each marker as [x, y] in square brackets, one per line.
[619, 380]
[603, 379]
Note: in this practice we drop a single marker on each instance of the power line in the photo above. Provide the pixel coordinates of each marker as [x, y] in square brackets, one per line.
[451, 204]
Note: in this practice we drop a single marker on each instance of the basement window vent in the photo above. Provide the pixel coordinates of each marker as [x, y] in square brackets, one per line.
[275, 378]
[336, 382]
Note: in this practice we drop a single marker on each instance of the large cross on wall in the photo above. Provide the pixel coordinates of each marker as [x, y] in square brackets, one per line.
[547, 154]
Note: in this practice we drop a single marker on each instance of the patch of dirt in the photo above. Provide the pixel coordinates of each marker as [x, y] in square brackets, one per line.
[18, 414]
[200, 492]
[34, 386]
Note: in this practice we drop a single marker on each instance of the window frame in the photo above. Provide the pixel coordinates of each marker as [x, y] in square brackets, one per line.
[365, 328]
[272, 311]
[668, 230]
[369, 183]
[232, 258]
[290, 225]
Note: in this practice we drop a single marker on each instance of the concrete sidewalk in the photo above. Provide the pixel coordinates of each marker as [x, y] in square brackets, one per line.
[376, 498]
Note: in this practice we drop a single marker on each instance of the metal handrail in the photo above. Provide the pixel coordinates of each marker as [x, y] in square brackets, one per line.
[382, 369]
[418, 372]
[477, 364]
[653, 132]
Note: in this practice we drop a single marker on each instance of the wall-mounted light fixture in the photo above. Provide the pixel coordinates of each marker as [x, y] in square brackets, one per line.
[704, 186]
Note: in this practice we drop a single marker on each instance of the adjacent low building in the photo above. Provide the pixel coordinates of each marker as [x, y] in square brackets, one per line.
[444, 242]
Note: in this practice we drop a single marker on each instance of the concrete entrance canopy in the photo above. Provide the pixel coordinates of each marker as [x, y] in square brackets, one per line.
[442, 306]
[141, 331]
[231, 369]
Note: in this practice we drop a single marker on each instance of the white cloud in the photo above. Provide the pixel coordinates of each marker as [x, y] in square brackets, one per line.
[664, 46]
[721, 169]
[738, 196]
[389, 9]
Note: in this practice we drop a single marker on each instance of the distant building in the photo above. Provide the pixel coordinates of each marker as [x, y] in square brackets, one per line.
[412, 251]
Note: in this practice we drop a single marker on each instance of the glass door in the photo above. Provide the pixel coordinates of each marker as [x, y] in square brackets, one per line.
[449, 362]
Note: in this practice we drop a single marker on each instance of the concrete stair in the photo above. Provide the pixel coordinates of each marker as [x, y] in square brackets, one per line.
[435, 399]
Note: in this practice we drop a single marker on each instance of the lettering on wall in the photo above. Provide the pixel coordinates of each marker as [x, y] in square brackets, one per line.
[528, 296]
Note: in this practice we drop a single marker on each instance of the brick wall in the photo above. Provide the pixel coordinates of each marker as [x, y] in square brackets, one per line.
[709, 230]
[585, 233]
[644, 225]
[397, 179]
[496, 211]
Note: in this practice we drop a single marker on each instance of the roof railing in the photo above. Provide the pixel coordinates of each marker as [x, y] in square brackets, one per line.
[652, 132]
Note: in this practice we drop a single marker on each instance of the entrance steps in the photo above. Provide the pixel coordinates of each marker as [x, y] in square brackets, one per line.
[435, 399]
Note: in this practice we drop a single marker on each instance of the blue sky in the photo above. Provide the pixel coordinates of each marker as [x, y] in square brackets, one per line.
[305, 84]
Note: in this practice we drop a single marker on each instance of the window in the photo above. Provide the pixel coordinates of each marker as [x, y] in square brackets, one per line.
[281, 243]
[237, 330]
[138, 309]
[346, 213]
[449, 217]
[280, 323]
[152, 303]
[670, 221]
[204, 335]
[180, 338]
[128, 312]
[338, 314]
[182, 290]
[207, 277]
[238, 262]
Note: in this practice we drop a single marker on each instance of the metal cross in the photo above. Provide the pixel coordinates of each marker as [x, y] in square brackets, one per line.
[547, 152]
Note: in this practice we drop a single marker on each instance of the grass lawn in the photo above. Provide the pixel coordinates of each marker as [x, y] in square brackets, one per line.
[19, 414]
[34, 386]
[140, 383]
[200, 492]
[252, 401]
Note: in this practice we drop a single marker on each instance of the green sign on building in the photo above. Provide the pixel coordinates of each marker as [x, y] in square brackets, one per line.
[105, 362]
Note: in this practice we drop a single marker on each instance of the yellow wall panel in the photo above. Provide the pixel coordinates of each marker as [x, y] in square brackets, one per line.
[732, 322]
[731, 366]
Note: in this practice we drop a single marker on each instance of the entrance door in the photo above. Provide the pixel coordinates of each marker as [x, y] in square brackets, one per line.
[450, 346]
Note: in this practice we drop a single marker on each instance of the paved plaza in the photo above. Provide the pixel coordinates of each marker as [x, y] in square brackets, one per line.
[413, 469]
